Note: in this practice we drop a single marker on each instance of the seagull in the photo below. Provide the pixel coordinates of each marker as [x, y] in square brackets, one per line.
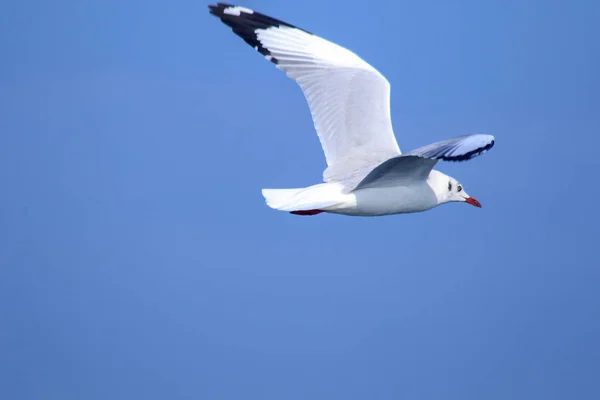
[349, 101]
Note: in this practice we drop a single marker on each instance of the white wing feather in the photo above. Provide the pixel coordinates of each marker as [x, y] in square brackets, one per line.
[349, 100]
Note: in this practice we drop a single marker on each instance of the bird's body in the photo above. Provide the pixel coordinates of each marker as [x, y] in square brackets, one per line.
[404, 197]
[390, 200]
[366, 175]
[401, 199]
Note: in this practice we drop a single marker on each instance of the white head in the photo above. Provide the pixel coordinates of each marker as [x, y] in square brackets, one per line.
[448, 189]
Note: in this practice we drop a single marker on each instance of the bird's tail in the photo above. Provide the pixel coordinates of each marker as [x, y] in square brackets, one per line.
[305, 201]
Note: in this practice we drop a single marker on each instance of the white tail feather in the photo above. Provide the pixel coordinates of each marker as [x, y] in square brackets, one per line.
[315, 197]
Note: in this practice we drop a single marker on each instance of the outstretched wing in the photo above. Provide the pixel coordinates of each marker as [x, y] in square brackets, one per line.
[460, 148]
[349, 100]
[417, 164]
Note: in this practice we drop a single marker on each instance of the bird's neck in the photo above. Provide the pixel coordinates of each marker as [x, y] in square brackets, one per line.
[438, 182]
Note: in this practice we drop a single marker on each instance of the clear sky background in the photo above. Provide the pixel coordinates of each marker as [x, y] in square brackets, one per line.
[139, 261]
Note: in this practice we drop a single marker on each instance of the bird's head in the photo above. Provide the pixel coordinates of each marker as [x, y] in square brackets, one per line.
[448, 189]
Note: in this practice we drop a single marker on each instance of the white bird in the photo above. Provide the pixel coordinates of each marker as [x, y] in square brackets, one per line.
[349, 101]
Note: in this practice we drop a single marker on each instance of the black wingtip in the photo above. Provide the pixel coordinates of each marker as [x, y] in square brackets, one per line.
[219, 8]
[471, 154]
[245, 23]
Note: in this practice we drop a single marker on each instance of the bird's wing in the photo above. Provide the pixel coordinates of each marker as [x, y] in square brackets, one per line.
[400, 170]
[349, 100]
[460, 148]
[417, 164]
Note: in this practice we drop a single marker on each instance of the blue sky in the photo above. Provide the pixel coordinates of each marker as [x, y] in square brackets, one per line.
[139, 261]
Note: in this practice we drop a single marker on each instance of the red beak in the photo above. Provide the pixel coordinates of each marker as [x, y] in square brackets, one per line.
[472, 201]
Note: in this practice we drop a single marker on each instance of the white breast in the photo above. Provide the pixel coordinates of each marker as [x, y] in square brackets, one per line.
[389, 200]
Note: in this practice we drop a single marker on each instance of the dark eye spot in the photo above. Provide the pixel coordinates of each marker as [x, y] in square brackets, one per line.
[459, 188]
[449, 186]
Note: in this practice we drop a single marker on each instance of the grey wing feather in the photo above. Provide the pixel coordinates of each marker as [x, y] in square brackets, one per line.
[460, 148]
[417, 164]
[398, 170]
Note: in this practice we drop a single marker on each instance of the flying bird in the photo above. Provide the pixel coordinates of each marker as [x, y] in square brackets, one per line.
[349, 100]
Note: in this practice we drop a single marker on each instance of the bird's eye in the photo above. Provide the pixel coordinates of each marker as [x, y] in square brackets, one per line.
[459, 188]
[449, 186]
